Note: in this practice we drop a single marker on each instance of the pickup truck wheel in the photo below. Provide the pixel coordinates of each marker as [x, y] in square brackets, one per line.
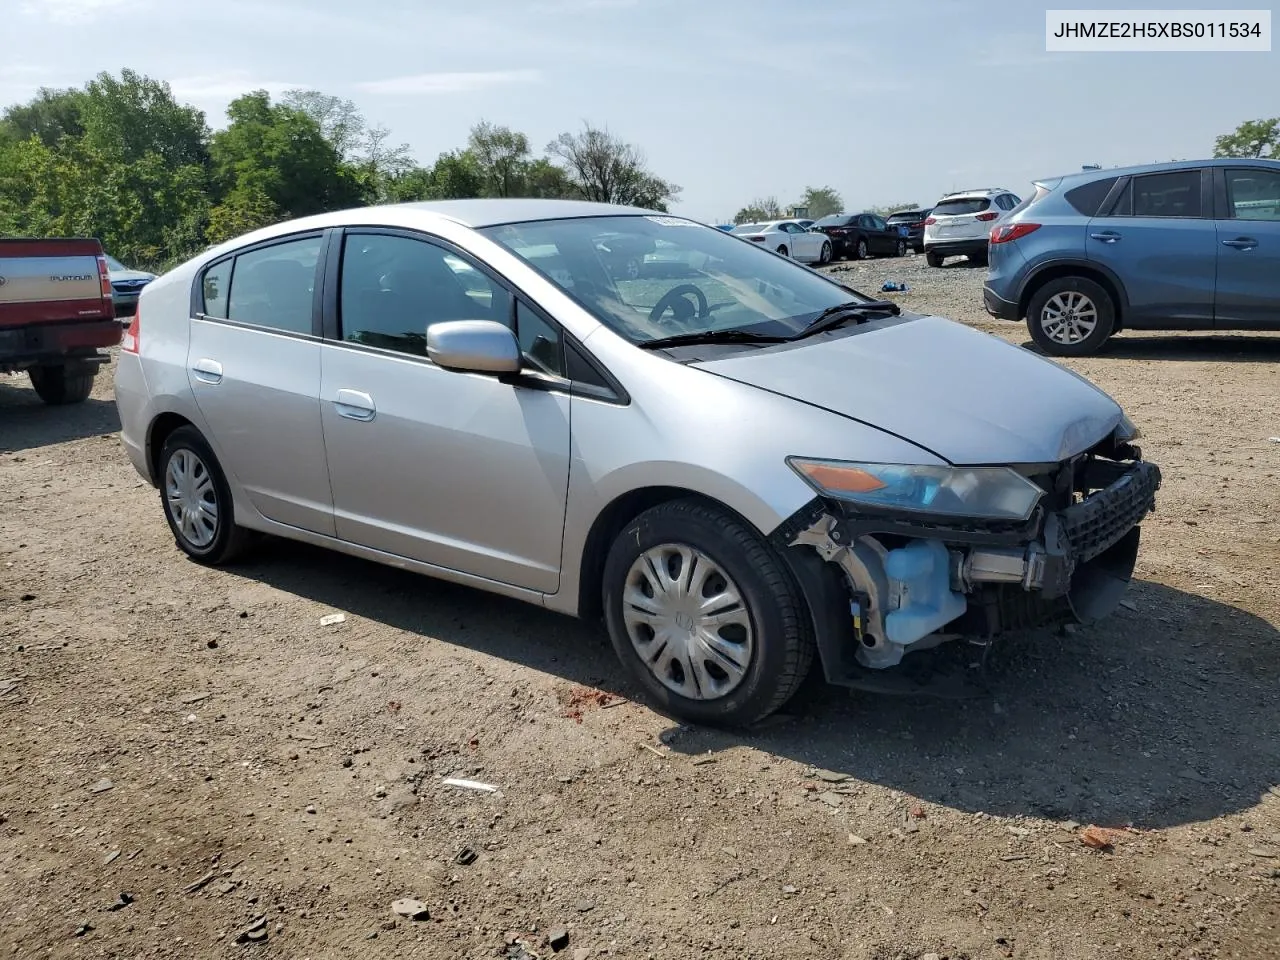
[705, 615]
[197, 501]
[1071, 317]
[62, 384]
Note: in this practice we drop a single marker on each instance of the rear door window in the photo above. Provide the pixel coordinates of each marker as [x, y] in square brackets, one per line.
[274, 286]
[1173, 194]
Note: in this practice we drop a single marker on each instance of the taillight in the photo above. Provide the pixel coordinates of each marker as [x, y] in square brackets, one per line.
[1012, 231]
[930, 221]
[986, 217]
[756, 239]
[130, 342]
[104, 276]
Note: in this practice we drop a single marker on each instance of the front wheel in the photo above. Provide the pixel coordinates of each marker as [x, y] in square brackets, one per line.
[60, 384]
[197, 501]
[902, 248]
[705, 615]
[1071, 317]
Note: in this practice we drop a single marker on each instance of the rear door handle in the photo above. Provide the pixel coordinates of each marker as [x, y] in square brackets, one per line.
[1106, 236]
[207, 371]
[1241, 243]
[355, 405]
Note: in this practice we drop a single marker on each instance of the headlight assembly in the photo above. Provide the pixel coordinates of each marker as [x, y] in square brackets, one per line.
[984, 493]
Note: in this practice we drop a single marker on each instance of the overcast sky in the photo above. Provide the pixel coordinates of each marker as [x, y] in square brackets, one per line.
[731, 99]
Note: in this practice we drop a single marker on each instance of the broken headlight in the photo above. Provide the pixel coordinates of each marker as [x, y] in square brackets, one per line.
[986, 493]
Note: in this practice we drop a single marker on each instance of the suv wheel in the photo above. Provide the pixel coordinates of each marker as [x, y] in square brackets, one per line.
[1071, 317]
[62, 383]
[933, 258]
[705, 615]
[197, 500]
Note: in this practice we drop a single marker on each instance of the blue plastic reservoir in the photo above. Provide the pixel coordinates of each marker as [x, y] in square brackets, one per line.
[928, 603]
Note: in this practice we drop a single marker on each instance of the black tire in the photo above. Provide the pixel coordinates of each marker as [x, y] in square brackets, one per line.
[1104, 307]
[229, 540]
[860, 249]
[916, 248]
[933, 258]
[781, 632]
[782, 251]
[62, 384]
[978, 259]
[901, 250]
[825, 256]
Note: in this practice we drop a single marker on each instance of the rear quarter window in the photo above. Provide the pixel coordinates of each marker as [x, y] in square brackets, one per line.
[214, 288]
[1087, 198]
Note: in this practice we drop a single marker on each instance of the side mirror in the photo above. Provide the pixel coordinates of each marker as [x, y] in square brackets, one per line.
[473, 346]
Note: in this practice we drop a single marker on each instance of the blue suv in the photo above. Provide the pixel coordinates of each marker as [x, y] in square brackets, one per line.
[1192, 245]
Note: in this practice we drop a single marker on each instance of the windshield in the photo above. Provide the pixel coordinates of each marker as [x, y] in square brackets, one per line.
[114, 264]
[651, 277]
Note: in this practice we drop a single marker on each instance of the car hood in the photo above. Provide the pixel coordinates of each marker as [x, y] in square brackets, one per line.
[964, 395]
[118, 276]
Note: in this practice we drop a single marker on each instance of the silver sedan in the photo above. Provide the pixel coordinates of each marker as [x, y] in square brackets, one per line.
[735, 461]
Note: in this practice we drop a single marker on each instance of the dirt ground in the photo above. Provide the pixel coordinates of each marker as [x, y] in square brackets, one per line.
[185, 751]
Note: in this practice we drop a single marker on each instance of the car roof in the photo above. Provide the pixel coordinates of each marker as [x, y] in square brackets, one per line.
[1168, 166]
[982, 192]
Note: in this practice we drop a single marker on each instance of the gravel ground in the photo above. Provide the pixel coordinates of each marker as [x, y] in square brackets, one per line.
[194, 766]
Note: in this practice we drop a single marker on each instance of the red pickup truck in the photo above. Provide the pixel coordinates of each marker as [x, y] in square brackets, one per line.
[56, 315]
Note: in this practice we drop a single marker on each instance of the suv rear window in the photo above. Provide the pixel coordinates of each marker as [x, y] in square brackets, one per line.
[961, 206]
[834, 220]
[1087, 198]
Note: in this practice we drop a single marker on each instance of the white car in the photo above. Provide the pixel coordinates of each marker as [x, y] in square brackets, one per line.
[960, 224]
[788, 238]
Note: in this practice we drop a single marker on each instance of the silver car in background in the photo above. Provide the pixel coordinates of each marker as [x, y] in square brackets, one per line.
[739, 465]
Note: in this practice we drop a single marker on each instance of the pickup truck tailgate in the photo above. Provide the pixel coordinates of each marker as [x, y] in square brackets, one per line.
[50, 281]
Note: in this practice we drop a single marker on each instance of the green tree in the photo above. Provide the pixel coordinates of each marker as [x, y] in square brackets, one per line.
[50, 116]
[502, 156]
[1252, 139]
[761, 208]
[604, 168]
[456, 176]
[545, 180]
[279, 153]
[822, 201]
[133, 116]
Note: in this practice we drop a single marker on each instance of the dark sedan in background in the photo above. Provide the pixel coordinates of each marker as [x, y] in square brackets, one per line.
[860, 235]
[913, 220]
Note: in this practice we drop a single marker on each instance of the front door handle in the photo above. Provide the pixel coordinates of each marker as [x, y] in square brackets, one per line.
[1241, 243]
[1106, 236]
[355, 405]
[207, 371]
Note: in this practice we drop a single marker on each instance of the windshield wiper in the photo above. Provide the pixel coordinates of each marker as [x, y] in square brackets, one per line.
[710, 336]
[836, 316]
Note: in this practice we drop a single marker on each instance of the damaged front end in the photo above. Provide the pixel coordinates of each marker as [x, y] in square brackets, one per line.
[1056, 547]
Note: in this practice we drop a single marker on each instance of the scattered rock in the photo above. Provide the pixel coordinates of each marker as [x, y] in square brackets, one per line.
[830, 799]
[196, 885]
[789, 891]
[332, 619]
[388, 924]
[831, 776]
[918, 812]
[1189, 774]
[1259, 852]
[1019, 831]
[112, 857]
[400, 800]
[211, 643]
[83, 929]
[255, 932]
[1129, 605]
[102, 786]
[311, 808]
[558, 938]
[121, 902]
[1099, 838]
[585, 905]
[347, 761]
[582, 953]
[1070, 826]
[412, 909]
[856, 841]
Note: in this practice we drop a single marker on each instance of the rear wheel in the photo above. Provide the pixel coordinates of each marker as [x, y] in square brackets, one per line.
[783, 250]
[61, 384]
[860, 251]
[825, 255]
[933, 258]
[704, 615]
[197, 501]
[1071, 317]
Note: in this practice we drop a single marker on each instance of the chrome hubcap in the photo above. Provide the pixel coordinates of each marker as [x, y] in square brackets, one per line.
[192, 499]
[1068, 317]
[687, 621]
